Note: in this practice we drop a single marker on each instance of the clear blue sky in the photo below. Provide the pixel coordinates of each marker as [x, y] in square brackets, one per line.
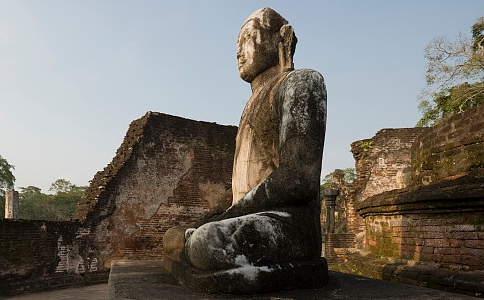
[74, 74]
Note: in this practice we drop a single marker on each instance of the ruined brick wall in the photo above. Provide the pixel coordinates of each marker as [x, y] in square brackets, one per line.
[337, 240]
[451, 148]
[441, 223]
[39, 255]
[168, 171]
[453, 240]
[383, 162]
[438, 217]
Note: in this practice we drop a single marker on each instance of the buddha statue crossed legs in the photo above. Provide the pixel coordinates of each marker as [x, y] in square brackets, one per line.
[270, 238]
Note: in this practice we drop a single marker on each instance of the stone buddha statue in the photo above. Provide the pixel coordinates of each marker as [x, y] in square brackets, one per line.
[270, 237]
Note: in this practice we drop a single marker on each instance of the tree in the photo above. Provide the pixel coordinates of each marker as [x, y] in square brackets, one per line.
[61, 186]
[455, 76]
[349, 177]
[35, 205]
[7, 180]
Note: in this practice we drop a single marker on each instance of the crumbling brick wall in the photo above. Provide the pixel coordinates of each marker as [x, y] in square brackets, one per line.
[451, 148]
[383, 163]
[438, 217]
[455, 240]
[168, 171]
[40, 255]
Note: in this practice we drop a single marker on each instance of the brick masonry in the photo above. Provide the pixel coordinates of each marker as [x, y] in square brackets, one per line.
[455, 241]
[437, 216]
[168, 171]
[41, 255]
[451, 148]
[382, 163]
[333, 241]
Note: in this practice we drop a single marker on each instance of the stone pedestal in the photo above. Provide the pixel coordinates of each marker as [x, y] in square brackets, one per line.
[252, 279]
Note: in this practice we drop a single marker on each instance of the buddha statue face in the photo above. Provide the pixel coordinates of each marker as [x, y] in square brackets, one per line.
[257, 48]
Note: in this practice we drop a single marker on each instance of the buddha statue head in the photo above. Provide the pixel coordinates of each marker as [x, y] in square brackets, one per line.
[266, 41]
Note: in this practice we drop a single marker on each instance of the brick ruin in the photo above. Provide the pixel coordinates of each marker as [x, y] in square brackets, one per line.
[168, 171]
[382, 163]
[419, 194]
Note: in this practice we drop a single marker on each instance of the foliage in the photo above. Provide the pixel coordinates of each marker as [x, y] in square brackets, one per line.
[366, 145]
[36, 205]
[349, 177]
[61, 186]
[455, 76]
[7, 180]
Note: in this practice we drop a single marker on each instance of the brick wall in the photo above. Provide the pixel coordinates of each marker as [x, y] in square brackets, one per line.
[40, 255]
[438, 216]
[383, 163]
[451, 148]
[168, 171]
[453, 240]
[337, 240]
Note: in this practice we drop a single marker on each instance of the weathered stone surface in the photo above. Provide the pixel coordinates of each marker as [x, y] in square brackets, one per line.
[40, 255]
[270, 238]
[147, 280]
[11, 204]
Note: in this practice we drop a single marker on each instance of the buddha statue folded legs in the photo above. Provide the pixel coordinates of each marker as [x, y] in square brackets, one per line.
[269, 239]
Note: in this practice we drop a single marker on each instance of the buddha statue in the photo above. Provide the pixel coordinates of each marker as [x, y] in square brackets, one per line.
[270, 237]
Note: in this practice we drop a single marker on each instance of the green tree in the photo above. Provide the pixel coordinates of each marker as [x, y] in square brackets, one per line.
[349, 177]
[66, 197]
[36, 205]
[33, 203]
[61, 186]
[455, 76]
[7, 180]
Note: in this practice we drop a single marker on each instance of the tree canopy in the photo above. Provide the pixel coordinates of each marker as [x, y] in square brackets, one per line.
[35, 205]
[455, 76]
[348, 178]
[7, 179]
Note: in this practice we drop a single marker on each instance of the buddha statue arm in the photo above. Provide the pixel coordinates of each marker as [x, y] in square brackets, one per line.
[300, 104]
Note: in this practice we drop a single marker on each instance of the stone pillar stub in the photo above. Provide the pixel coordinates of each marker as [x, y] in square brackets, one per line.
[330, 201]
[11, 204]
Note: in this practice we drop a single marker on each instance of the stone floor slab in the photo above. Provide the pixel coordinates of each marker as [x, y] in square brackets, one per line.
[148, 280]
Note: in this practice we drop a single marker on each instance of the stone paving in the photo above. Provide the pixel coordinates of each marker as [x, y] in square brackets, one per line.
[91, 292]
[148, 280]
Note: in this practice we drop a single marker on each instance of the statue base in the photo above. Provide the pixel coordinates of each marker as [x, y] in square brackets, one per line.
[251, 279]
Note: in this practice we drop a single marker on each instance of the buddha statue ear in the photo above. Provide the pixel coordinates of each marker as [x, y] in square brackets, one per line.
[287, 45]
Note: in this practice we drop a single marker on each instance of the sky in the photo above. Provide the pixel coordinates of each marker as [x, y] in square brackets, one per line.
[74, 74]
